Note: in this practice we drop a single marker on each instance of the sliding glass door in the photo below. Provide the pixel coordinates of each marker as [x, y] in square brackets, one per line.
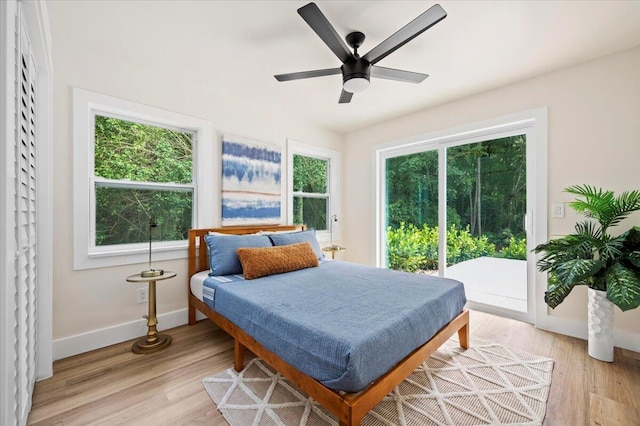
[464, 200]
[487, 205]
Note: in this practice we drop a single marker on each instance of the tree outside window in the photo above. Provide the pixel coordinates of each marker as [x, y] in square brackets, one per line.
[140, 171]
[310, 191]
[485, 204]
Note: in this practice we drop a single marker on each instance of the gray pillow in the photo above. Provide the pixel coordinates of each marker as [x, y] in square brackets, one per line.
[298, 237]
[223, 259]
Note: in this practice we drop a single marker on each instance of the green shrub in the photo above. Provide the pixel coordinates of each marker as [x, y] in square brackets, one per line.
[410, 248]
[461, 246]
[517, 249]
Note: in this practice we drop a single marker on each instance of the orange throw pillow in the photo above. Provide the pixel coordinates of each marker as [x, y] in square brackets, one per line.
[263, 261]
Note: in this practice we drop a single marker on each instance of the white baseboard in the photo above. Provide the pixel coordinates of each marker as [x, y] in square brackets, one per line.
[575, 328]
[566, 326]
[95, 339]
[627, 340]
[100, 338]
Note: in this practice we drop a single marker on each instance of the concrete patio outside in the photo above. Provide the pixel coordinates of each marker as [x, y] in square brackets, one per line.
[494, 281]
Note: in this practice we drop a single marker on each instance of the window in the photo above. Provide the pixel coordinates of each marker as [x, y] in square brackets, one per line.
[313, 188]
[133, 163]
[141, 171]
[310, 191]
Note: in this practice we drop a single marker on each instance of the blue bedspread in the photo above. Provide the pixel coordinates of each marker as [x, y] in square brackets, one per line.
[341, 323]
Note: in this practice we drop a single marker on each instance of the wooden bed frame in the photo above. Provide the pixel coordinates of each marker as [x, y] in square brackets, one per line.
[350, 408]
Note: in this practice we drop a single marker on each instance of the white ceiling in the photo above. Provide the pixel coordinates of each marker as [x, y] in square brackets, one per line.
[234, 48]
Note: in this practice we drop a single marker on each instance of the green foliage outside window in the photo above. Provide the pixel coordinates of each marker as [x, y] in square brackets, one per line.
[412, 189]
[410, 248]
[310, 174]
[310, 182]
[142, 153]
[134, 154]
[311, 212]
[486, 199]
[516, 249]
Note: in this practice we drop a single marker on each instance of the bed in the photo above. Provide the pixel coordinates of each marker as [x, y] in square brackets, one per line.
[331, 360]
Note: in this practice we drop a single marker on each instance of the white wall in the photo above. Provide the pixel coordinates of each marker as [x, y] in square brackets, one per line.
[593, 116]
[95, 307]
[593, 138]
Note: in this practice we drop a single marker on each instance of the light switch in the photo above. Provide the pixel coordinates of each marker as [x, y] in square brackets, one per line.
[557, 210]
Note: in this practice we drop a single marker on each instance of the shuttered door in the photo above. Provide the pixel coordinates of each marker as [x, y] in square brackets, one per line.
[25, 229]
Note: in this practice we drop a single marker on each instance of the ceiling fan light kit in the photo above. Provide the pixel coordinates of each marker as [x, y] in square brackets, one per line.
[356, 84]
[357, 71]
[355, 75]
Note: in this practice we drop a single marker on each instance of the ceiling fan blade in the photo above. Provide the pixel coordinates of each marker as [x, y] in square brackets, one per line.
[345, 97]
[398, 75]
[407, 33]
[307, 74]
[321, 25]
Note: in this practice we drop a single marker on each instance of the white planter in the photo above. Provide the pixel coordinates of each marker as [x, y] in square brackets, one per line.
[600, 319]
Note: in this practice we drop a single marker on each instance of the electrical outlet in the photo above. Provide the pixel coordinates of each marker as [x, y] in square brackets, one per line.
[143, 295]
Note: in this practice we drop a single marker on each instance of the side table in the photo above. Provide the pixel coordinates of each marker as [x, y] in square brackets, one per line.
[333, 249]
[153, 341]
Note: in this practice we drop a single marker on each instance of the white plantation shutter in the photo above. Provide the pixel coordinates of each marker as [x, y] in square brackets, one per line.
[26, 225]
[22, 314]
[25, 266]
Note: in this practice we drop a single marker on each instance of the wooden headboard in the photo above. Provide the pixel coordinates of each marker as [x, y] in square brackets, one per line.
[198, 252]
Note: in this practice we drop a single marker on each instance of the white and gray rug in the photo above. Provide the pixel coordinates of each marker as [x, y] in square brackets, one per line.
[487, 384]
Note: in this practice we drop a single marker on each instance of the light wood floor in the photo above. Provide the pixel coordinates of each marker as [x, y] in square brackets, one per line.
[112, 386]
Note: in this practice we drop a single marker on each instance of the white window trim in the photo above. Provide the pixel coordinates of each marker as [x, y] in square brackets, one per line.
[98, 181]
[85, 104]
[300, 148]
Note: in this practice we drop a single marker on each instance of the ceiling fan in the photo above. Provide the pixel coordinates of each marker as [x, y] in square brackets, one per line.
[356, 70]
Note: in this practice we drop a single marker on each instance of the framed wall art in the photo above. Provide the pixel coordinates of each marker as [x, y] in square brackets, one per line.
[251, 182]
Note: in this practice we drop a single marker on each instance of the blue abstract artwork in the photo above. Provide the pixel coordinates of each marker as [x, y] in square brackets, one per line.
[251, 182]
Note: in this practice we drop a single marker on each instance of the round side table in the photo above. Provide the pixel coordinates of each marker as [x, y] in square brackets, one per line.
[153, 341]
[333, 249]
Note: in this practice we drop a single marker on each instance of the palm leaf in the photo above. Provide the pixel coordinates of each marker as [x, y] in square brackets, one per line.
[604, 206]
[574, 243]
[553, 256]
[623, 287]
[594, 203]
[590, 229]
[587, 240]
[624, 204]
[612, 250]
[561, 250]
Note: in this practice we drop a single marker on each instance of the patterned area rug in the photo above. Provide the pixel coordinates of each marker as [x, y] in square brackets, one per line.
[487, 384]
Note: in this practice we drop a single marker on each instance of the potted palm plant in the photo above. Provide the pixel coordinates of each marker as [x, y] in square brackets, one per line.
[608, 264]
